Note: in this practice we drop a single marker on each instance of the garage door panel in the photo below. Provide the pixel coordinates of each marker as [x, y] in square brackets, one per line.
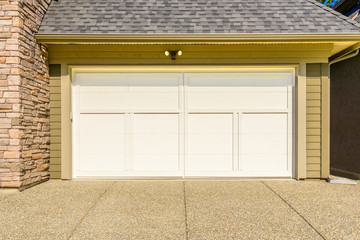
[238, 91]
[269, 143]
[246, 79]
[151, 81]
[100, 162]
[265, 123]
[102, 141]
[156, 142]
[153, 162]
[123, 92]
[127, 79]
[156, 123]
[209, 123]
[102, 100]
[209, 142]
[237, 100]
[125, 101]
[264, 142]
[154, 101]
[209, 162]
[265, 162]
[92, 81]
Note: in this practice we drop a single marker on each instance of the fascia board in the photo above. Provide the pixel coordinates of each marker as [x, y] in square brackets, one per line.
[74, 38]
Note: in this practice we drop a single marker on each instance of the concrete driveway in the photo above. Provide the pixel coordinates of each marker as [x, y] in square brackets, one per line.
[149, 209]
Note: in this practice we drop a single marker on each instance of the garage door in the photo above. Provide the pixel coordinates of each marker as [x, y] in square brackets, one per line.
[182, 124]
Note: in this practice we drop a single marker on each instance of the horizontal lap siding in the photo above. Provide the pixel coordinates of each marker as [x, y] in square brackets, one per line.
[153, 54]
[55, 127]
[159, 55]
[313, 121]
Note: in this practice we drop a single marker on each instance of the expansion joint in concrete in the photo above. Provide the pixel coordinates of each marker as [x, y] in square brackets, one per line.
[185, 209]
[294, 210]
[88, 211]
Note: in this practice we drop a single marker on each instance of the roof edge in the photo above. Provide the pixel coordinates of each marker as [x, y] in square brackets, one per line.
[48, 38]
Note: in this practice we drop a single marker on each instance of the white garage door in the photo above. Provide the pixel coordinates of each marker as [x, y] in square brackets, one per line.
[182, 124]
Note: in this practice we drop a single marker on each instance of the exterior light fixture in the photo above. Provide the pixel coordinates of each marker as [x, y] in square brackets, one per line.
[173, 54]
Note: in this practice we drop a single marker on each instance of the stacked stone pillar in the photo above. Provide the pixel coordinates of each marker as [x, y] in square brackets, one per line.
[24, 95]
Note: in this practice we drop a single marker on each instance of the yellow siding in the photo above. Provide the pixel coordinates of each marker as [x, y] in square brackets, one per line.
[312, 146]
[313, 121]
[191, 51]
[153, 54]
[313, 167]
[55, 126]
[192, 47]
[313, 160]
[313, 174]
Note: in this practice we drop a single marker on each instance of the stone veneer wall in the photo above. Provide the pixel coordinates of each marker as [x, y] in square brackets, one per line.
[24, 95]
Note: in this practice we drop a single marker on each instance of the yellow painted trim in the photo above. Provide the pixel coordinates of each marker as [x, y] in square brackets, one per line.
[66, 126]
[238, 61]
[54, 42]
[70, 70]
[325, 121]
[43, 37]
[183, 68]
[301, 122]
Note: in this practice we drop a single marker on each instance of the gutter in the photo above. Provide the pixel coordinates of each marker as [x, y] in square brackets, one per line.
[350, 55]
[345, 54]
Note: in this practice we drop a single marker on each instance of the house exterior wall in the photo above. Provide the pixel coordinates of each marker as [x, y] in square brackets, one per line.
[24, 92]
[345, 118]
[317, 121]
[313, 58]
[55, 121]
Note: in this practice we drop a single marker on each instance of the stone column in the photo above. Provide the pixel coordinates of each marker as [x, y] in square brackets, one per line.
[24, 95]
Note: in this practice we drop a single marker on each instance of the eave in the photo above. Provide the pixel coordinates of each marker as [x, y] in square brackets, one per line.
[341, 42]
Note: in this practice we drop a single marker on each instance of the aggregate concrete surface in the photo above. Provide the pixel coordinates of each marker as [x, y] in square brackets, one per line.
[182, 209]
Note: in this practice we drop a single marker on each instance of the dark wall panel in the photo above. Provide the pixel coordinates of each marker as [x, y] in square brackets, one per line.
[345, 115]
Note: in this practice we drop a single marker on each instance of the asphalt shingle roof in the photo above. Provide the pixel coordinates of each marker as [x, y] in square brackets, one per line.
[194, 17]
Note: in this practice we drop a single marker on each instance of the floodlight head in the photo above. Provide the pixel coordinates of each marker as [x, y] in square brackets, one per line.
[173, 54]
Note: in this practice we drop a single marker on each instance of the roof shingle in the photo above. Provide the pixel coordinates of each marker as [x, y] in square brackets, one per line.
[194, 17]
